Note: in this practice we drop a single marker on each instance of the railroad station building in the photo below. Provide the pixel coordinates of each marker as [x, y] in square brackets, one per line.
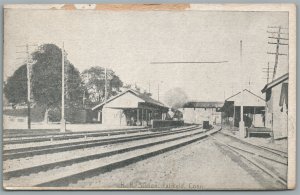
[253, 109]
[277, 106]
[196, 112]
[130, 108]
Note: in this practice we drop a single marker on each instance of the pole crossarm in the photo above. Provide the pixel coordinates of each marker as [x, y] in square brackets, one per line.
[278, 38]
[278, 43]
[277, 32]
[277, 27]
[281, 54]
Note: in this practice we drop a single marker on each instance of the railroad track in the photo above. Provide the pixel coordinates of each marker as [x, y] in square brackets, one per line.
[55, 148]
[31, 138]
[19, 136]
[271, 150]
[272, 162]
[37, 133]
[64, 172]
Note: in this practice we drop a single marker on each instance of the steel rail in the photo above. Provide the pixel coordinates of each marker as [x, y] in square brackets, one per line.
[273, 151]
[48, 149]
[65, 181]
[252, 161]
[49, 166]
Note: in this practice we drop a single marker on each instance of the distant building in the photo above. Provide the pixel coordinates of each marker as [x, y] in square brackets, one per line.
[253, 109]
[15, 121]
[277, 106]
[197, 112]
[17, 116]
[130, 108]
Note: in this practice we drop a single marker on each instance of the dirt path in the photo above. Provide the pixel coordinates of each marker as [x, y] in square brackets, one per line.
[202, 165]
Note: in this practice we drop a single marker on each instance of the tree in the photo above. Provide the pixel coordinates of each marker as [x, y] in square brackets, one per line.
[138, 89]
[46, 80]
[176, 98]
[147, 93]
[15, 89]
[94, 82]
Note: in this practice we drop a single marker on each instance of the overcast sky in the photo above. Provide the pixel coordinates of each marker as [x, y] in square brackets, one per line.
[128, 42]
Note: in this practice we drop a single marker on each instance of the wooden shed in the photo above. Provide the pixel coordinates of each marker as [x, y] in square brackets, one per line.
[253, 109]
[130, 108]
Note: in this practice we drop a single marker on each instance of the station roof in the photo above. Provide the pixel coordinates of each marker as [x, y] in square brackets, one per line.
[275, 82]
[144, 97]
[194, 104]
[247, 98]
[148, 99]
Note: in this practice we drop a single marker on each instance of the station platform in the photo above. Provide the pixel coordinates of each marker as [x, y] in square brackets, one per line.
[280, 145]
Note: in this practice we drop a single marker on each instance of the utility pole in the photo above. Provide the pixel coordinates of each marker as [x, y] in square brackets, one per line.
[105, 87]
[249, 84]
[278, 37]
[242, 124]
[267, 71]
[83, 99]
[28, 88]
[28, 71]
[63, 121]
[279, 40]
[158, 91]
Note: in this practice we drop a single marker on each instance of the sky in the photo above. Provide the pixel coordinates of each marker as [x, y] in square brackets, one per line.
[128, 42]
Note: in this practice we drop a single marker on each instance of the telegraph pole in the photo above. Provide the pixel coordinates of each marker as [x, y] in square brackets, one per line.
[63, 121]
[105, 87]
[277, 42]
[267, 71]
[158, 92]
[28, 88]
[249, 84]
[83, 99]
[28, 71]
[242, 124]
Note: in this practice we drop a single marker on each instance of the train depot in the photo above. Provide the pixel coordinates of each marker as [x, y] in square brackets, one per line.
[130, 108]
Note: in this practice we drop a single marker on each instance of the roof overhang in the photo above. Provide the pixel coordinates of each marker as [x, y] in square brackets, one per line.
[158, 104]
[275, 82]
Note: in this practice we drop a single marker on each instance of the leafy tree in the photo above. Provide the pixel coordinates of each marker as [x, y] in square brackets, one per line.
[147, 93]
[46, 80]
[94, 82]
[138, 89]
[15, 89]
